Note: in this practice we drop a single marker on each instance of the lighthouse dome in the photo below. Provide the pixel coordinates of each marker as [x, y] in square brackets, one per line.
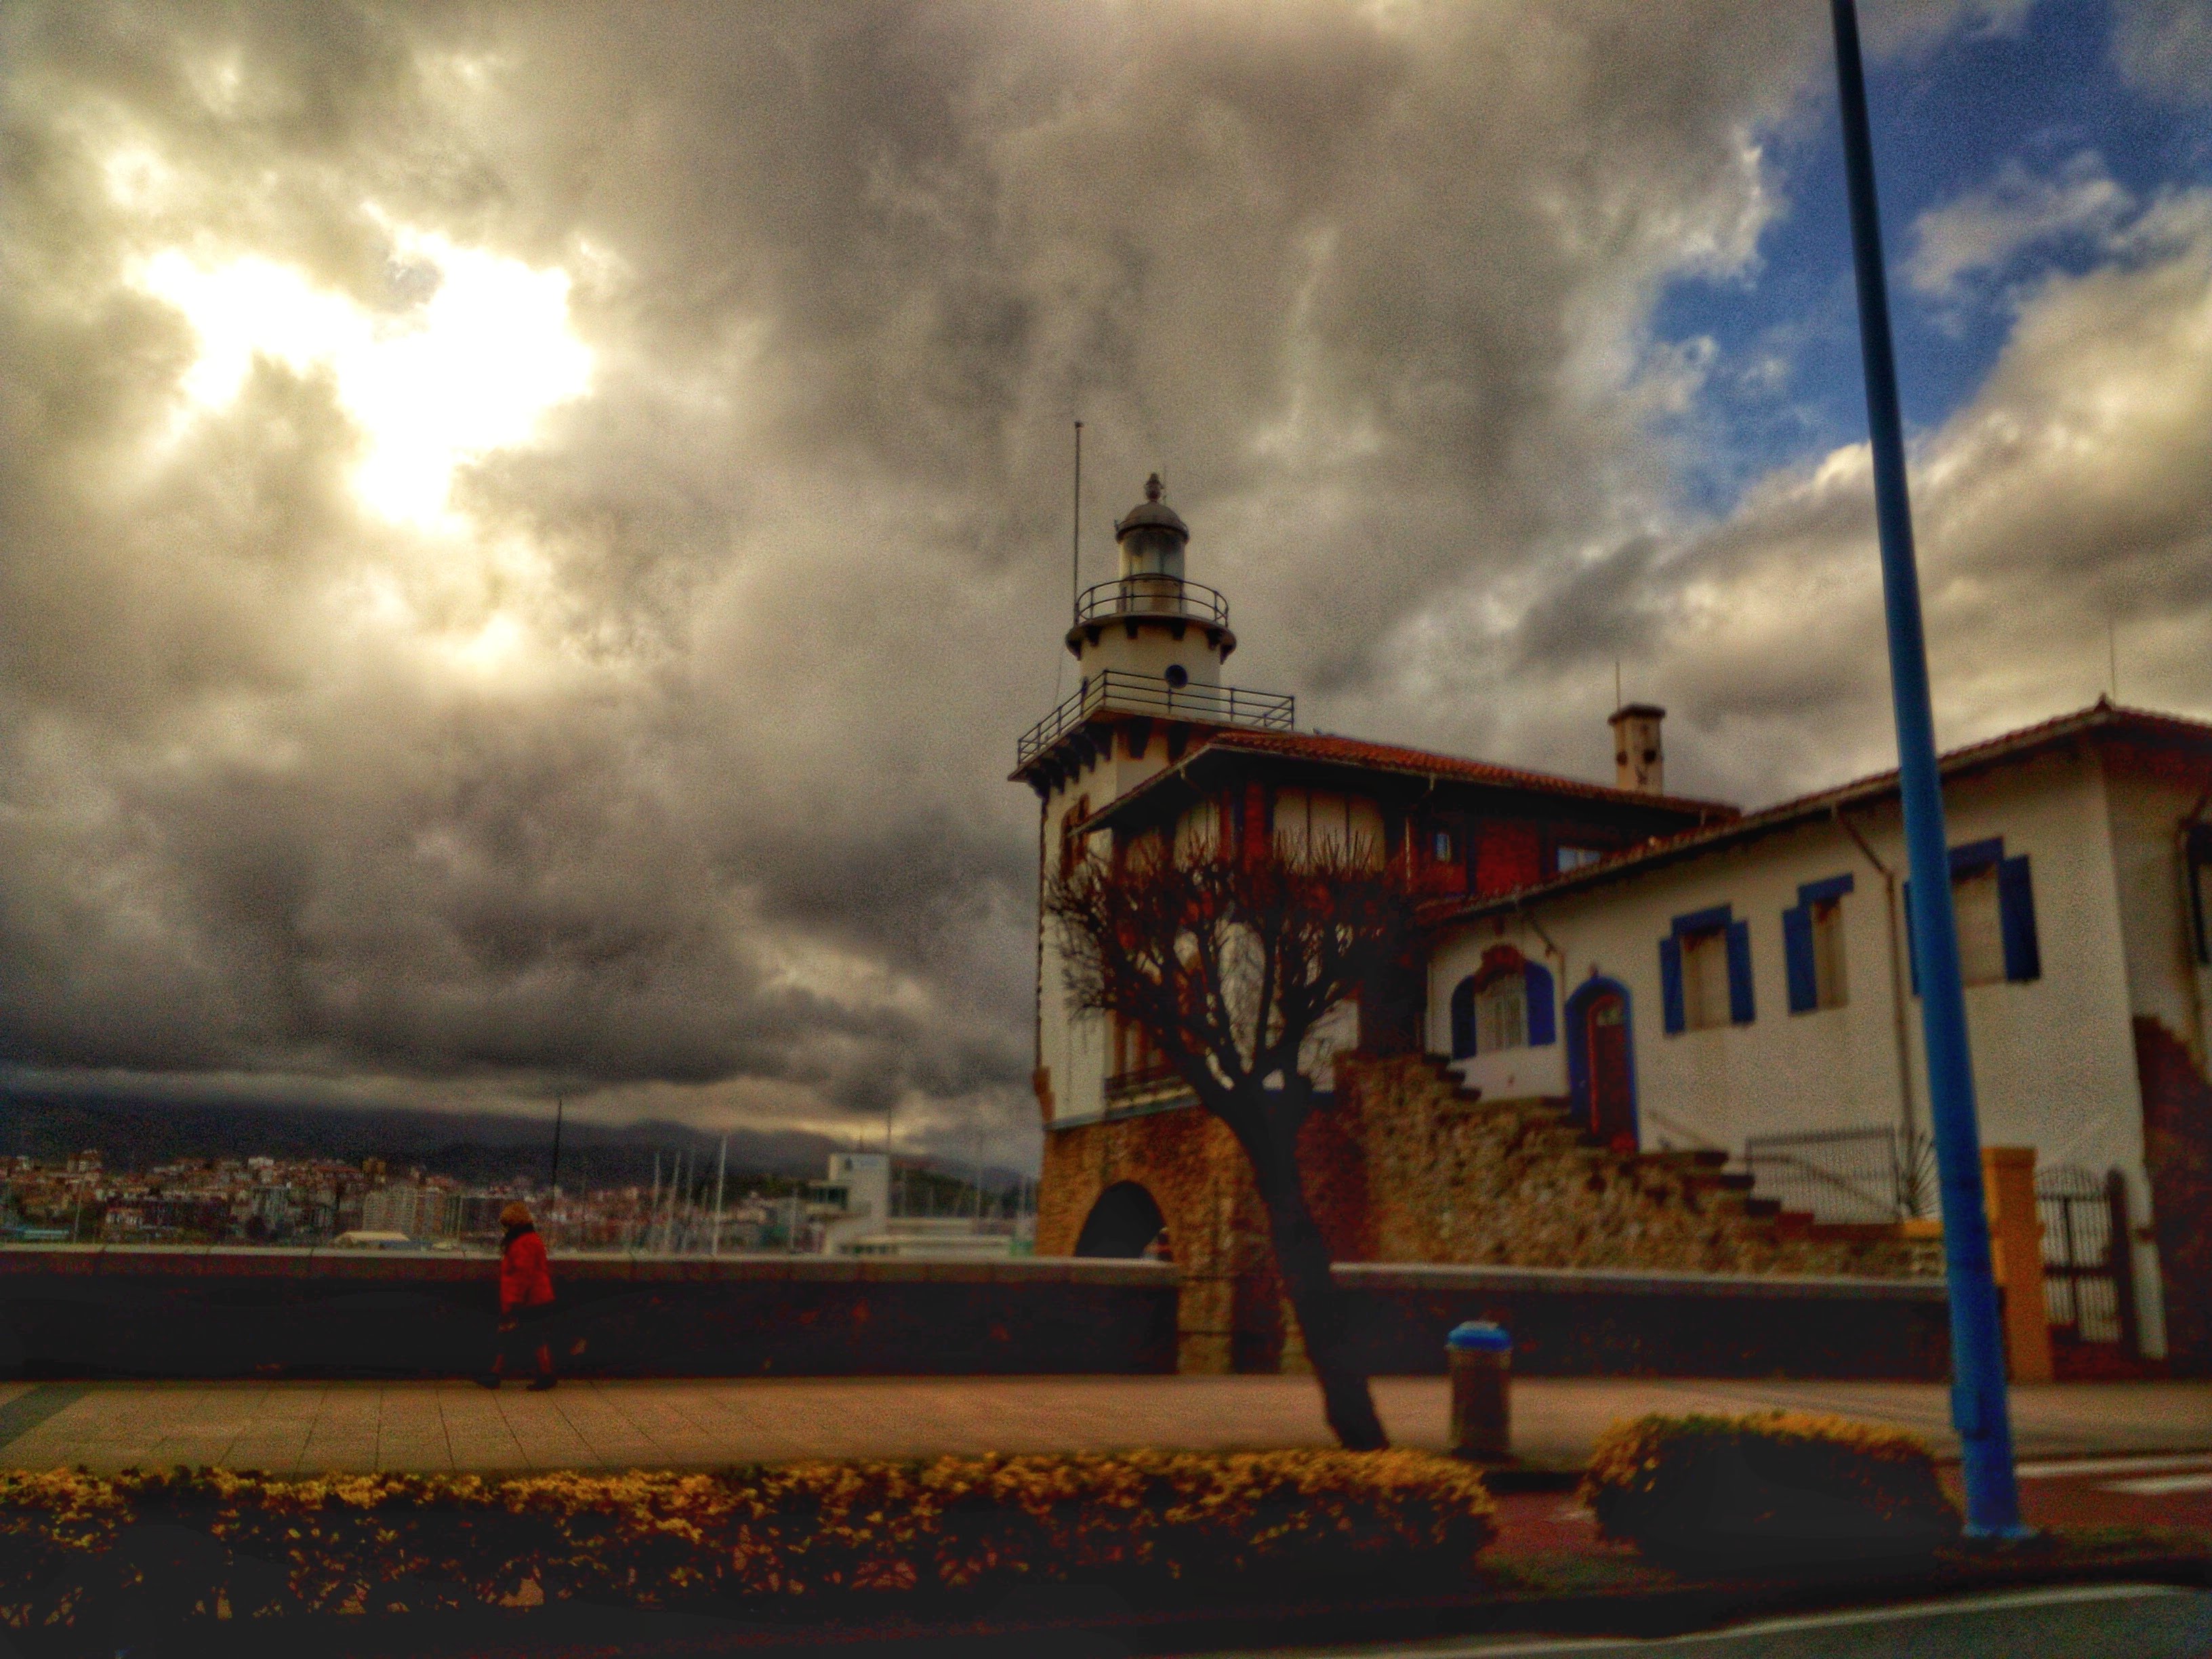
[1152, 535]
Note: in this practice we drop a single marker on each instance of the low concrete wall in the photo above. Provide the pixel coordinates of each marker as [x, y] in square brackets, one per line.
[90, 1312]
[1593, 1322]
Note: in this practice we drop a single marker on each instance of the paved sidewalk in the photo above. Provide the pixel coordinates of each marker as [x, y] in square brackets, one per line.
[300, 1427]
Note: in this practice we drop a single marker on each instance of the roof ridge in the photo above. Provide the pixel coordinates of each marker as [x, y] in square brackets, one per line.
[2103, 713]
[1246, 738]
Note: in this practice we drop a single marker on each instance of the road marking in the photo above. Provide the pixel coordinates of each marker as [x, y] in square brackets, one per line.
[2159, 1485]
[2061, 1470]
[2056, 1596]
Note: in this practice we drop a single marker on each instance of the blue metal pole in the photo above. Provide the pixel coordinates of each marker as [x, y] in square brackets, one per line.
[1978, 1406]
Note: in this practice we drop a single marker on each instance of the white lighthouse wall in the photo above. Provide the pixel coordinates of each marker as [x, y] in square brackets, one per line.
[1152, 653]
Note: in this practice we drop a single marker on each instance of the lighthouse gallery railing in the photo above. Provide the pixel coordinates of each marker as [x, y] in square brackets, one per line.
[1122, 692]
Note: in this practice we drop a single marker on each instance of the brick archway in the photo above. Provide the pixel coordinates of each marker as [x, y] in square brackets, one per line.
[1124, 1220]
[1183, 1162]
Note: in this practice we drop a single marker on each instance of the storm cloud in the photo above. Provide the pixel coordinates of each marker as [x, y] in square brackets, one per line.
[657, 754]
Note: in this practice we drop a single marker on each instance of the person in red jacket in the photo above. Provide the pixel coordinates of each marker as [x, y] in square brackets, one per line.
[525, 1300]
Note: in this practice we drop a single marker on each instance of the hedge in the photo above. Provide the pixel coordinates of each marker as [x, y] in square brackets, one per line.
[1780, 1487]
[381, 1543]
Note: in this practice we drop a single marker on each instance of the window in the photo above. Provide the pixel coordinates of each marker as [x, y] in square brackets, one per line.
[1704, 979]
[1705, 971]
[1501, 1015]
[1317, 824]
[1993, 905]
[1139, 1062]
[1197, 832]
[1505, 1004]
[1813, 946]
[1830, 989]
[1981, 939]
[1574, 857]
[1441, 845]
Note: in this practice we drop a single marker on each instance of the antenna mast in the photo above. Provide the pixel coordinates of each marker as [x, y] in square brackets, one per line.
[1075, 537]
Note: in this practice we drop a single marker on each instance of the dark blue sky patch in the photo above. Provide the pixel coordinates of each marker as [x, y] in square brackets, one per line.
[2035, 108]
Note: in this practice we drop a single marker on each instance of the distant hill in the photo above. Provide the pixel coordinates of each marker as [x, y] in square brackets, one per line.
[470, 1146]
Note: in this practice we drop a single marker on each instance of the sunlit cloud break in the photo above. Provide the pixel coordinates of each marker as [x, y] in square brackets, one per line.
[465, 368]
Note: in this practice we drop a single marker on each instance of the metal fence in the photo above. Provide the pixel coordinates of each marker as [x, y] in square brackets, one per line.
[1870, 1174]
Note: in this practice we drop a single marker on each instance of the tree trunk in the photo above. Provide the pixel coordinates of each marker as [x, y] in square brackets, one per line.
[1302, 1257]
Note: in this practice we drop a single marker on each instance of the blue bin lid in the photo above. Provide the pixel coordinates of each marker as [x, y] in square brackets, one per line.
[1481, 1335]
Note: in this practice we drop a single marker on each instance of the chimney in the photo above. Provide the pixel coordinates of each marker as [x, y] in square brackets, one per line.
[1636, 761]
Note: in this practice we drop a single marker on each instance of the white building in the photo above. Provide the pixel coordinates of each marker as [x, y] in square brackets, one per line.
[854, 1201]
[854, 1213]
[1686, 976]
[1749, 985]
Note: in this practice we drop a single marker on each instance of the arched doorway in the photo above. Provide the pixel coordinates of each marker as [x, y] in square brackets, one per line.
[1602, 1062]
[1124, 1222]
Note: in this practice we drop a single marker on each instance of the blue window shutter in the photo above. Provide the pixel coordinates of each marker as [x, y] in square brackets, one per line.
[1739, 965]
[1911, 941]
[2016, 919]
[1797, 959]
[1462, 1018]
[1670, 985]
[1976, 855]
[1700, 921]
[1543, 1028]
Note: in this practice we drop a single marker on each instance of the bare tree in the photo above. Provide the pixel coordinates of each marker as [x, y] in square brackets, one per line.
[1230, 960]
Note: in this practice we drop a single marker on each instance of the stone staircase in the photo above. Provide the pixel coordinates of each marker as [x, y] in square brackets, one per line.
[1455, 1175]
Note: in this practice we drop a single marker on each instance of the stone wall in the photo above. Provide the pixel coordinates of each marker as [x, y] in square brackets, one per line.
[1402, 1165]
[1452, 1178]
[90, 1311]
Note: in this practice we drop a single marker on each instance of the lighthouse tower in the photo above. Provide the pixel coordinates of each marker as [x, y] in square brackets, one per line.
[1149, 622]
[1149, 645]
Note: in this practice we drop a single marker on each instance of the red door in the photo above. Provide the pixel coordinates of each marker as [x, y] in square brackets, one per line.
[1612, 1105]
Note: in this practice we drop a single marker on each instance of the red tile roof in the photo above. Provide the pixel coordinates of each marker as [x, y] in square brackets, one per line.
[1420, 763]
[2100, 716]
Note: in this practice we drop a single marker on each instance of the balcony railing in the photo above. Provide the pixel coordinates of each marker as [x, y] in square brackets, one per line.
[1151, 596]
[1152, 694]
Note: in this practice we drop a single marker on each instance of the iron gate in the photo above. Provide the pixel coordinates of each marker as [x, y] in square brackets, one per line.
[2088, 1289]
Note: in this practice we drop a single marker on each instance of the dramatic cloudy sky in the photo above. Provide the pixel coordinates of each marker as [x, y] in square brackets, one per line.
[527, 534]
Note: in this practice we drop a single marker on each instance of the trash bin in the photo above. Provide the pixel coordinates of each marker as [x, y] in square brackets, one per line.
[1481, 1358]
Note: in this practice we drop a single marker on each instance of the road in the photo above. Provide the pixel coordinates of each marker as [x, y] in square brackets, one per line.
[2168, 1490]
[2095, 1621]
